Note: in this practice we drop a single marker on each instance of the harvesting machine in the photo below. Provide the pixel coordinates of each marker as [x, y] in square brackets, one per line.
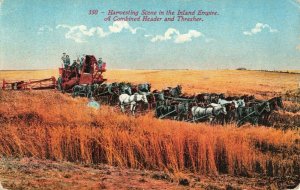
[86, 73]
[89, 72]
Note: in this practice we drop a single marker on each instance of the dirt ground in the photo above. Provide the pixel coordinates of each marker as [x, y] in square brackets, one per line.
[30, 173]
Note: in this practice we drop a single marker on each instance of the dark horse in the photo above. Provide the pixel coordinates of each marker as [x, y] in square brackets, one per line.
[175, 110]
[182, 110]
[125, 88]
[151, 100]
[83, 91]
[231, 112]
[140, 88]
[165, 111]
[159, 97]
[208, 98]
[248, 98]
[173, 92]
[144, 87]
[114, 92]
[275, 104]
[253, 113]
[101, 93]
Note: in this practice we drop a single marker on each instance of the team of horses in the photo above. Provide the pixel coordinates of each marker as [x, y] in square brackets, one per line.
[171, 103]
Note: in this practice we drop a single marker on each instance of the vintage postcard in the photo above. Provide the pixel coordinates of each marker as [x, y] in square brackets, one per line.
[150, 94]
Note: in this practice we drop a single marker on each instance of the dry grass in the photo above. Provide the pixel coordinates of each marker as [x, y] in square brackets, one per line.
[50, 125]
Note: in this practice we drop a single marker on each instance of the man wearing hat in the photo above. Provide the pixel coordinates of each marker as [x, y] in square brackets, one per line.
[68, 62]
[100, 63]
[63, 58]
[74, 64]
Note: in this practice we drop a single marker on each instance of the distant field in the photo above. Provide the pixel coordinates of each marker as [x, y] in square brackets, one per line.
[193, 81]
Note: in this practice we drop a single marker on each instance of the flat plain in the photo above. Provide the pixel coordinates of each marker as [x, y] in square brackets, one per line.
[50, 132]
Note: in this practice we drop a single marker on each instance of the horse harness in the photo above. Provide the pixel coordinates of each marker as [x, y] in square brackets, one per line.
[255, 111]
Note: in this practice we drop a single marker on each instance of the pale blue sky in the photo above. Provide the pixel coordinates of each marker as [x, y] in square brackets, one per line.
[254, 34]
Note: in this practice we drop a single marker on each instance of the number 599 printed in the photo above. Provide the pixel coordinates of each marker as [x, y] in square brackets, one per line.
[93, 12]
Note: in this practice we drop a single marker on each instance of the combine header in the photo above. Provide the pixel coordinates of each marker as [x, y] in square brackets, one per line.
[33, 84]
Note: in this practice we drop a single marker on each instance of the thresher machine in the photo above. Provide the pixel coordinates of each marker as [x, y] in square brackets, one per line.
[88, 73]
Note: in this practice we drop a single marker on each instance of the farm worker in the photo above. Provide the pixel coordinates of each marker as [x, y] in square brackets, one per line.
[78, 65]
[67, 63]
[78, 60]
[100, 63]
[63, 58]
[81, 61]
[93, 104]
[73, 64]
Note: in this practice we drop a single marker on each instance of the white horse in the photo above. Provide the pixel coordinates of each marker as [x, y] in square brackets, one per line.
[224, 102]
[210, 112]
[239, 103]
[126, 99]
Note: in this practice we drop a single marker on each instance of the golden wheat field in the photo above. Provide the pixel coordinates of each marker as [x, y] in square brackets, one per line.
[49, 125]
[193, 81]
